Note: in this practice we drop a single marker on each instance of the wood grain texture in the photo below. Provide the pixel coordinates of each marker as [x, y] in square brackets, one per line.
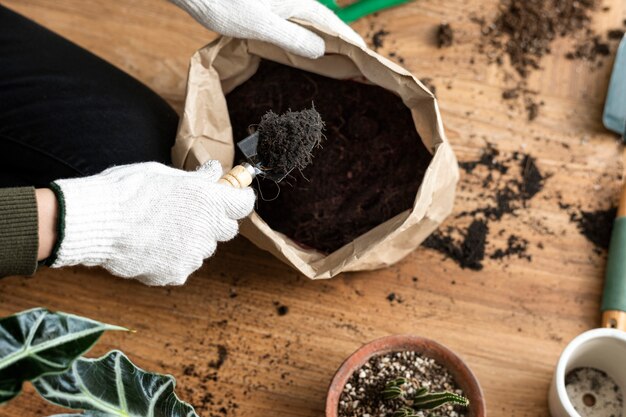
[509, 321]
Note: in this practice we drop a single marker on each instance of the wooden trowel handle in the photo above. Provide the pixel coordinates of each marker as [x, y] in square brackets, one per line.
[239, 176]
[614, 297]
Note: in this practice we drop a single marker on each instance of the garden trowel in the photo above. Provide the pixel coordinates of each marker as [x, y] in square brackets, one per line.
[280, 144]
[614, 117]
[590, 378]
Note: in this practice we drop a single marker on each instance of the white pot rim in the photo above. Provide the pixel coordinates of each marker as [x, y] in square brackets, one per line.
[564, 359]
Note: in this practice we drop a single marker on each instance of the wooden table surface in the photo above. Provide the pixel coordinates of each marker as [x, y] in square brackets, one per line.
[509, 321]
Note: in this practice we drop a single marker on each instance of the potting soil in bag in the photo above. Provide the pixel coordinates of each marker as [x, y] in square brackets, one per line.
[380, 183]
[367, 170]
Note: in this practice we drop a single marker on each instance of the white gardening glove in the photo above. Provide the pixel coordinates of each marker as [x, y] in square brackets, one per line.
[147, 221]
[266, 20]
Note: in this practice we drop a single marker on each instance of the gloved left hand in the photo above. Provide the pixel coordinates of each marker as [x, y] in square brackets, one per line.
[147, 221]
[266, 20]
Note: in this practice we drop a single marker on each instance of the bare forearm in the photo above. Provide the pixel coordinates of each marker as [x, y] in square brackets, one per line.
[47, 212]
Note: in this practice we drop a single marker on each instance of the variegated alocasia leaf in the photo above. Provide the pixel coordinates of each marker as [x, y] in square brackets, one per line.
[37, 342]
[113, 386]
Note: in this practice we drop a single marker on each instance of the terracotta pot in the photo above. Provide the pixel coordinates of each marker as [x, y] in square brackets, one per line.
[463, 376]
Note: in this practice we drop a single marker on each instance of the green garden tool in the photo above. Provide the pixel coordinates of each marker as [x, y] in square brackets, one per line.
[590, 377]
[361, 8]
[614, 117]
[614, 298]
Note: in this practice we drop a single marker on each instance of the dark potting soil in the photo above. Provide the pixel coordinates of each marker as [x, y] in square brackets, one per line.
[596, 226]
[378, 38]
[524, 29]
[511, 93]
[532, 180]
[393, 297]
[286, 141]
[509, 183]
[428, 82]
[508, 194]
[590, 49]
[222, 354]
[281, 309]
[523, 32]
[361, 395]
[530, 103]
[367, 170]
[532, 108]
[516, 246]
[469, 250]
[445, 35]
[199, 380]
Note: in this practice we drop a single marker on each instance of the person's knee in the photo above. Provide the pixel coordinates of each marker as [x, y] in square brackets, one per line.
[138, 126]
[65, 106]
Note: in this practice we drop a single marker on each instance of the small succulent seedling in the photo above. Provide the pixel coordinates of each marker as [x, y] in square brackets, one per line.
[418, 399]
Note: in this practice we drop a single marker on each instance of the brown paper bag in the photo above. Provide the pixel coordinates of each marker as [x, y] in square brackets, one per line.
[205, 133]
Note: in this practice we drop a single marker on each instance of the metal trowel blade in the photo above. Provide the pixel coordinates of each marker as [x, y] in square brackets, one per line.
[248, 148]
[614, 117]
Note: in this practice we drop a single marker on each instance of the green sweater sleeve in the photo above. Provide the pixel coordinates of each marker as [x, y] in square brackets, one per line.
[19, 238]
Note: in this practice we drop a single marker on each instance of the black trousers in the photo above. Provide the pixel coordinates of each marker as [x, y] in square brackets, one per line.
[66, 113]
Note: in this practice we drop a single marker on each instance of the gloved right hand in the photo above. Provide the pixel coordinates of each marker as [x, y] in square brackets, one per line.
[147, 221]
[266, 20]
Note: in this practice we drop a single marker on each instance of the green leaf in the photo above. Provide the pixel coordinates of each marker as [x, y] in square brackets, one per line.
[38, 342]
[113, 386]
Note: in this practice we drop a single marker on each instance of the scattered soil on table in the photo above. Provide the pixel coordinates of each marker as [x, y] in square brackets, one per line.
[523, 33]
[286, 141]
[378, 38]
[367, 171]
[393, 297]
[199, 379]
[428, 82]
[615, 34]
[509, 194]
[468, 250]
[524, 29]
[222, 354]
[394, 55]
[362, 394]
[516, 245]
[590, 49]
[596, 226]
[532, 108]
[445, 35]
[513, 95]
[281, 309]
[510, 182]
